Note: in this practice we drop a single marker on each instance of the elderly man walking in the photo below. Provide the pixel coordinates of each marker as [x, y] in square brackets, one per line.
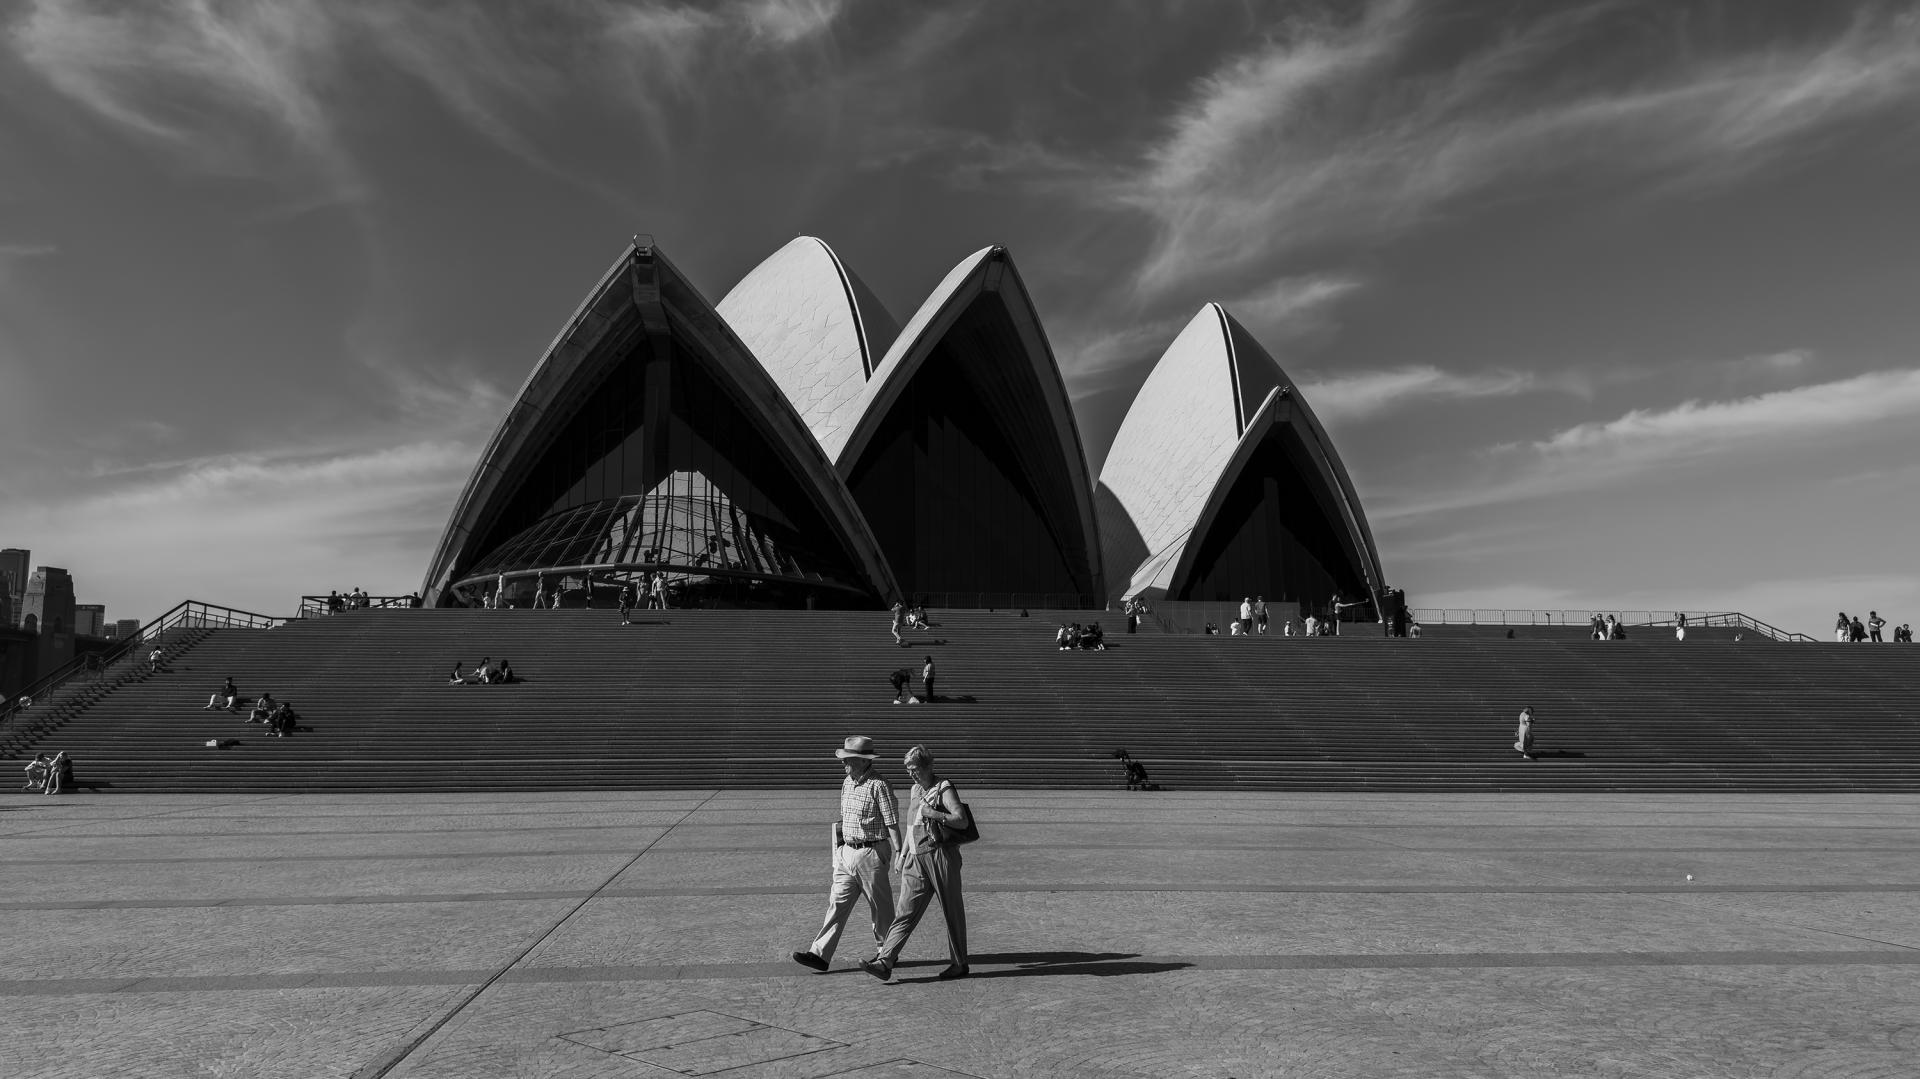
[864, 840]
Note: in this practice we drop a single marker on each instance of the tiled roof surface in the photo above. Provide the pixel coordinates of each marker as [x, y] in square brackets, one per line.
[1176, 438]
[793, 311]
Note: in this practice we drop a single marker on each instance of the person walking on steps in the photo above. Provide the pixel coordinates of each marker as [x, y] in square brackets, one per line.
[899, 622]
[864, 839]
[932, 869]
[926, 680]
[1523, 738]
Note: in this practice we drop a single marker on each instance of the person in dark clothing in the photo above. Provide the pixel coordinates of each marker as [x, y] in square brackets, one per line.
[228, 696]
[926, 678]
[899, 678]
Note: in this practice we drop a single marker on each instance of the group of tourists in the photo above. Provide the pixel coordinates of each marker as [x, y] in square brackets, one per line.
[485, 673]
[1073, 635]
[868, 843]
[1606, 628]
[278, 716]
[49, 774]
[1853, 630]
[901, 676]
[906, 618]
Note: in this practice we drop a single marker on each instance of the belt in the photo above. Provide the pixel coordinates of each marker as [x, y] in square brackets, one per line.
[862, 844]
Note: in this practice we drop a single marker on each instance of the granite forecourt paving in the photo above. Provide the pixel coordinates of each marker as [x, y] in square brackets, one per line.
[1155, 934]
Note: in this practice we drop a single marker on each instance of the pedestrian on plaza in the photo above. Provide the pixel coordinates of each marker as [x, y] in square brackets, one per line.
[1523, 738]
[932, 868]
[864, 837]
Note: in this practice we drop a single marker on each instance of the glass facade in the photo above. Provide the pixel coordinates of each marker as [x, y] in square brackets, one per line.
[1276, 535]
[963, 483]
[659, 466]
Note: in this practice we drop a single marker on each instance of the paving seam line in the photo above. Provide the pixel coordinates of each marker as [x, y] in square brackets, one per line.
[394, 1057]
[52, 830]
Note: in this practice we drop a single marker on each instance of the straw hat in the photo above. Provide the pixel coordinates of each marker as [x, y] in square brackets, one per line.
[858, 745]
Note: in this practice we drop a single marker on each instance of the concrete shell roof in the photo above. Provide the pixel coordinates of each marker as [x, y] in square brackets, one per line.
[939, 309]
[815, 327]
[642, 293]
[1176, 437]
[1181, 444]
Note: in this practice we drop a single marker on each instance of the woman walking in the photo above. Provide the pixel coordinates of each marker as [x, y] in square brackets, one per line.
[931, 867]
[1523, 738]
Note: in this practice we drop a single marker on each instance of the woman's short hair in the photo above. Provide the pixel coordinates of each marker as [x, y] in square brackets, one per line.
[918, 755]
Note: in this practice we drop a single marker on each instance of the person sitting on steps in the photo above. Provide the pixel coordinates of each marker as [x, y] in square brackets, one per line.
[262, 708]
[227, 696]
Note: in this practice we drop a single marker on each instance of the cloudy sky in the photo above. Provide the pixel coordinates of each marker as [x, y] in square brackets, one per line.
[1607, 305]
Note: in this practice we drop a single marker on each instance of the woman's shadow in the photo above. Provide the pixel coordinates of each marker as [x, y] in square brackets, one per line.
[1037, 964]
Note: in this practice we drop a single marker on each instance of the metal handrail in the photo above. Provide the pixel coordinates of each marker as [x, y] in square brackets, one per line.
[317, 606]
[1481, 616]
[188, 614]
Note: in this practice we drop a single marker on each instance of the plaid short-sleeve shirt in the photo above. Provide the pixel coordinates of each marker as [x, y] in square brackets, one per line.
[867, 808]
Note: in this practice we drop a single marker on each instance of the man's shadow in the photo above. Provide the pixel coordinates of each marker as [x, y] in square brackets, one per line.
[942, 698]
[1540, 754]
[1038, 964]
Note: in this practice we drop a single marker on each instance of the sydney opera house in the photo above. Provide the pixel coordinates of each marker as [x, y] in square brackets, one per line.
[794, 446]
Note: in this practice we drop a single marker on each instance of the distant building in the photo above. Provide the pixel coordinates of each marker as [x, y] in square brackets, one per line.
[124, 629]
[90, 619]
[14, 563]
[49, 610]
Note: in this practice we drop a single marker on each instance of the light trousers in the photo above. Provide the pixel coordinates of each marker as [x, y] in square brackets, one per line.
[935, 871]
[857, 872]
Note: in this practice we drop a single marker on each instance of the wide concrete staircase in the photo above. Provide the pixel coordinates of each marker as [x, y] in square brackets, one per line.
[760, 699]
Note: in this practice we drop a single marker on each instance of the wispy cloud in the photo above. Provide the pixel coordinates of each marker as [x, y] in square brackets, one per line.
[1788, 362]
[200, 76]
[182, 74]
[232, 527]
[1337, 132]
[26, 251]
[1591, 455]
[1374, 393]
[1096, 355]
[785, 22]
